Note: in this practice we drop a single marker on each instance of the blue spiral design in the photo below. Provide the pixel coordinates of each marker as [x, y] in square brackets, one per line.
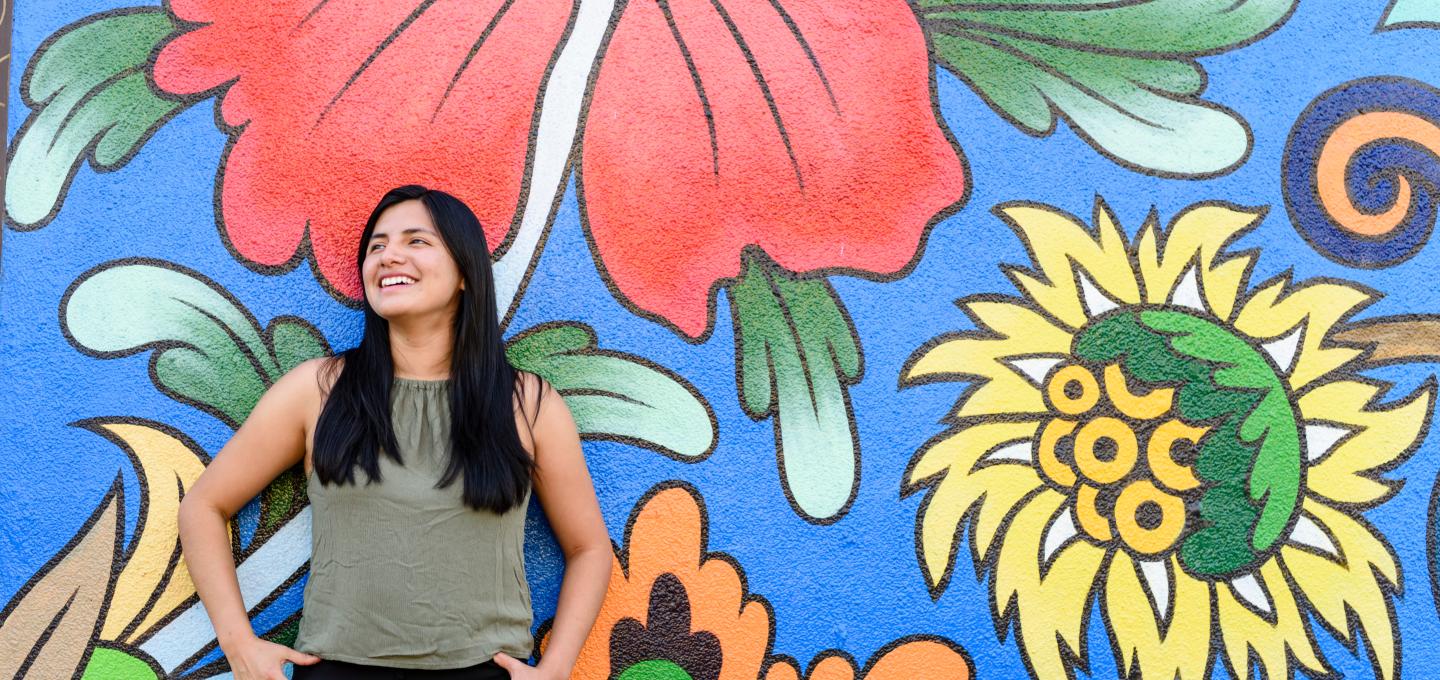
[1371, 173]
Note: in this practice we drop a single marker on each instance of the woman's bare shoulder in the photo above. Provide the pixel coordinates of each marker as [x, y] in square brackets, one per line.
[312, 379]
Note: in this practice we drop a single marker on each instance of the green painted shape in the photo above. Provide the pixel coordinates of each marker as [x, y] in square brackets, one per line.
[1406, 13]
[1276, 472]
[88, 93]
[1250, 461]
[285, 633]
[114, 664]
[655, 669]
[295, 341]
[209, 351]
[796, 353]
[614, 395]
[1124, 74]
[282, 498]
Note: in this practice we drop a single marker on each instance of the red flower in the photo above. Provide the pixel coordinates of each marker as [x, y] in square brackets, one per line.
[803, 127]
[331, 108]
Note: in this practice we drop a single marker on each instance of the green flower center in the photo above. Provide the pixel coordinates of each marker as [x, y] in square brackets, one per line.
[1173, 434]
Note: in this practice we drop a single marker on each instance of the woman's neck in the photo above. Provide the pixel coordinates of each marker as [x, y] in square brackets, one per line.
[421, 350]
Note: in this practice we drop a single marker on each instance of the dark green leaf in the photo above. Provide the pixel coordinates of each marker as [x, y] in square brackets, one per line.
[88, 93]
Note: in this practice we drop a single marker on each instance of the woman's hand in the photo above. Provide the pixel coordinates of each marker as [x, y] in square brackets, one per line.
[259, 659]
[519, 670]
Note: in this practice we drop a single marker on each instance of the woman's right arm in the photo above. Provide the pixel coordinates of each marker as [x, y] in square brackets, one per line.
[271, 440]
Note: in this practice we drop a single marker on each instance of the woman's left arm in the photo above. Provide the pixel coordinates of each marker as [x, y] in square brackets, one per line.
[565, 491]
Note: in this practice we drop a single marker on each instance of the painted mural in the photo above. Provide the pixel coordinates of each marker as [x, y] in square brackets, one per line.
[908, 338]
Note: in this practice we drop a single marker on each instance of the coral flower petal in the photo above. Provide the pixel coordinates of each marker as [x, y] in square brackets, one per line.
[327, 111]
[800, 126]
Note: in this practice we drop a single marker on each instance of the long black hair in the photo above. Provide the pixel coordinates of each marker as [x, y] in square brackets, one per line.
[485, 448]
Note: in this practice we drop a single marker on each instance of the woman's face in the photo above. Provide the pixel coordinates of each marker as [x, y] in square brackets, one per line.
[408, 270]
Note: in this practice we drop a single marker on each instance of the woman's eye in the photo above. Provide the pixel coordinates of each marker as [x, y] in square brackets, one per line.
[414, 241]
[376, 246]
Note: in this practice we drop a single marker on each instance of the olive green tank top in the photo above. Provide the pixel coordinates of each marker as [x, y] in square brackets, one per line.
[404, 574]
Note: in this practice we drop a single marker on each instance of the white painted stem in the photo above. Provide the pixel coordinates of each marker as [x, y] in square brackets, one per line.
[268, 569]
[555, 138]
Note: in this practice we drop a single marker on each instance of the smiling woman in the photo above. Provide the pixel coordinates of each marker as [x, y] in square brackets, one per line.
[452, 492]
[405, 254]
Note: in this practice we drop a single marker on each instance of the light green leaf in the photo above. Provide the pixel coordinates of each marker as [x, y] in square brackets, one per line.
[87, 90]
[107, 663]
[614, 395]
[1411, 14]
[1123, 74]
[295, 341]
[209, 351]
[797, 353]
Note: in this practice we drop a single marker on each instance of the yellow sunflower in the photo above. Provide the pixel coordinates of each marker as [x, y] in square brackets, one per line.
[1145, 429]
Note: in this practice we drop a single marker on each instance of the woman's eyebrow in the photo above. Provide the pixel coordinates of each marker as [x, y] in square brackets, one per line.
[411, 230]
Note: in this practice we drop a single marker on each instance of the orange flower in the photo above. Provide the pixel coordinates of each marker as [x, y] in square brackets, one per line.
[675, 610]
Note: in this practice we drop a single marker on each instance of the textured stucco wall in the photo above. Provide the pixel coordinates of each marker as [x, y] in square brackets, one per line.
[908, 340]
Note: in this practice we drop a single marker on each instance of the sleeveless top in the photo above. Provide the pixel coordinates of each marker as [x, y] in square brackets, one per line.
[404, 574]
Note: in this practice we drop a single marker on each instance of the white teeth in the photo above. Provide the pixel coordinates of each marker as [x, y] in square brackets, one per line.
[392, 280]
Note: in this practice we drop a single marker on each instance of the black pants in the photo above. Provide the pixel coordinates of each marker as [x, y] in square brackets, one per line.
[340, 670]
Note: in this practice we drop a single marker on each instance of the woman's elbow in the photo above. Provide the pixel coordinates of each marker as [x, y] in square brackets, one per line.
[193, 512]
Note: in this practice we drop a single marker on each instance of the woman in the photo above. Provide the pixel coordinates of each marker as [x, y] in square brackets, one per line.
[418, 563]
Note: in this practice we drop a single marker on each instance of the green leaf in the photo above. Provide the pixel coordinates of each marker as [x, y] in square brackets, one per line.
[209, 350]
[87, 90]
[796, 353]
[1275, 476]
[1249, 461]
[108, 663]
[618, 396]
[1123, 74]
[295, 341]
[1411, 14]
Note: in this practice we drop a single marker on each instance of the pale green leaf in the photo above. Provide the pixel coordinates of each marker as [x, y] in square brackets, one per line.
[209, 350]
[614, 395]
[88, 94]
[1124, 75]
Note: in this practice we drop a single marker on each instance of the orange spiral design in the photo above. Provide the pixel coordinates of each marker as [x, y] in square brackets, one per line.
[1342, 145]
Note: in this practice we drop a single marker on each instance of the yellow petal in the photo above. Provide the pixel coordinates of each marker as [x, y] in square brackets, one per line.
[999, 388]
[1183, 650]
[1004, 487]
[1052, 609]
[1335, 587]
[961, 451]
[1381, 437]
[1026, 331]
[153, 581]
[1007, 330]
[1245, 632]
[1196, 238]
[1055, 239]
[1272, 312]
[1001, 485]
